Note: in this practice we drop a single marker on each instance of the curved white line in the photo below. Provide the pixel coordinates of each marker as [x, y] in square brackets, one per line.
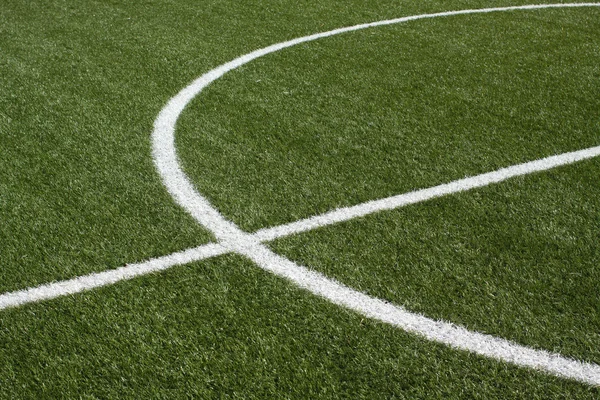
[236, 240]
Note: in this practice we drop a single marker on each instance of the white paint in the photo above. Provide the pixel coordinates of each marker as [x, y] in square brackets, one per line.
[437, 331]
[232, 239]
[96, 280]
[401, 200]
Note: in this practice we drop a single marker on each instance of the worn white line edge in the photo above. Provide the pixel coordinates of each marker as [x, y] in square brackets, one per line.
[235, 240]
[184, 193]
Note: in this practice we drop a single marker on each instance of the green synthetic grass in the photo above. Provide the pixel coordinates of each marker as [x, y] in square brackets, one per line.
[79, 192]
[525, 248]
[326, 124]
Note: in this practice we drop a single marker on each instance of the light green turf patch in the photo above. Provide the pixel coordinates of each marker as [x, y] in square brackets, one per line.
[374, 113]
[225, 329]
[517, 260]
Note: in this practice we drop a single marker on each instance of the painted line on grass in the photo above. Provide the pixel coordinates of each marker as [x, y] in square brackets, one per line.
[438, 331]
[316, 283]
[92, 281]
[417, 196]
[231, 236]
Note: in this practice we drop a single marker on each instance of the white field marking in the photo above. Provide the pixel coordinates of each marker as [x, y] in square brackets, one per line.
[437, 331]
[104, 278]
[96, 280]
[401, 200]
[232, 237]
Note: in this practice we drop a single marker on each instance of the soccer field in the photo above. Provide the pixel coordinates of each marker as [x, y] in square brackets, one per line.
[276, 199]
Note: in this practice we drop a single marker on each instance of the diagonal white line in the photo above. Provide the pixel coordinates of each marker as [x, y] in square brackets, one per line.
[389, 203]
[104, 278]
[184, 193]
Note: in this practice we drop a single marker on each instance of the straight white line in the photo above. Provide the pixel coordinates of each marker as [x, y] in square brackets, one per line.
[104, 278]
[389, 203]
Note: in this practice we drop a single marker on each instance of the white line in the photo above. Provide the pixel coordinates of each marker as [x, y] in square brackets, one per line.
[96, 280]
[231, 236]
[389, 203]
[163, 136]
[437, 331]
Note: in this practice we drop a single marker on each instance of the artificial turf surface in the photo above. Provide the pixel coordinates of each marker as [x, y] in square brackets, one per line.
[331, 123]
[525, 248]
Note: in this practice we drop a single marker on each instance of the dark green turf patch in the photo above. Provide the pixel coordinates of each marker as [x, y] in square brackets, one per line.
[370, 114]
[224, 329]
[517, 260]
